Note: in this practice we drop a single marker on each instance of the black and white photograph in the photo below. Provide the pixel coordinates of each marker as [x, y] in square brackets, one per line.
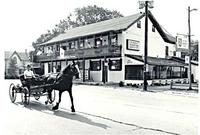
[99, 67]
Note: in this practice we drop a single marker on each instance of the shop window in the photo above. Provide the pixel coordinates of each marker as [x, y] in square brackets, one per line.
[115, 65]
[139, 24]
[58, 67]
[134, 72]
[95, 65]
[50, 67]
[80, 64]
[176, 72]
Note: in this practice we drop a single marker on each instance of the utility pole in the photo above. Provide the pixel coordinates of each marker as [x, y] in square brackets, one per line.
[189, 47]
[145, 4]
[145, 47]
[189, 42]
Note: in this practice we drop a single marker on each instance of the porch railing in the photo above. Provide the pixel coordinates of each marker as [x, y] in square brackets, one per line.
[101, 51]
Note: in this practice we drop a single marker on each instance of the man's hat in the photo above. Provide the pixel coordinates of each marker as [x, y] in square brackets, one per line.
[28, 66]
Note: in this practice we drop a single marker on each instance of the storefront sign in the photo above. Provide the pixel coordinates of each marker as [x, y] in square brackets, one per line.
[132, 45]
[182, 42]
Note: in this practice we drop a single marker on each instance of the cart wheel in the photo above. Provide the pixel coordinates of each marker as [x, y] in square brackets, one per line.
[37, 97]
[12, 92]
[25, 95]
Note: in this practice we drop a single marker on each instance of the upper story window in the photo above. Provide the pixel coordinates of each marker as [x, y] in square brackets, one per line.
[72, 45]
[139, 24]
[153, 29]
[174, 53]
[113, 39]
[98, 41]
[64, 47]
[57, 47]
[42, 49]
[166, 50]
[14, 60]
[50, 50]
[183, 54]
[81, 43]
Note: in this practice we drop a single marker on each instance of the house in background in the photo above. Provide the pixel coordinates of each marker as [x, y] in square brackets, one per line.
[15, 63]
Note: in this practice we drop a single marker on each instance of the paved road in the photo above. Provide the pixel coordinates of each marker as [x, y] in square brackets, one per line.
[102, 110]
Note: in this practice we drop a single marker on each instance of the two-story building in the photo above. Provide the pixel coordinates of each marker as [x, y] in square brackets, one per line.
[113, 50]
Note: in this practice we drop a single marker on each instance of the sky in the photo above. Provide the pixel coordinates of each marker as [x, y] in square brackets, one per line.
[23, 21]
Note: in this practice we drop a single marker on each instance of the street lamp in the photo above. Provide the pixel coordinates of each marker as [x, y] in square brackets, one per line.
[145, 4]
[189, 42]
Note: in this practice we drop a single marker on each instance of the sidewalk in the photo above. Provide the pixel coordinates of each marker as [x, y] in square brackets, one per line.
[181, 90]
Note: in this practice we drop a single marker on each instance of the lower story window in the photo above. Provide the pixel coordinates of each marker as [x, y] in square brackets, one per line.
[134, 72]
[58, 67]
[115, 65]
[50, 67]
[95, 65]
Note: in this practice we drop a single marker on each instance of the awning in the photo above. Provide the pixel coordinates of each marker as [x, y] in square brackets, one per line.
[157, 61]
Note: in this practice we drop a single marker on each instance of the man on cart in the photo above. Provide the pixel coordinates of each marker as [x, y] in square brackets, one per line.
[29, 76]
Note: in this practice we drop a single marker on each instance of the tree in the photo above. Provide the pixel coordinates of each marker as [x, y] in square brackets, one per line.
[93, 14]
[82, 16]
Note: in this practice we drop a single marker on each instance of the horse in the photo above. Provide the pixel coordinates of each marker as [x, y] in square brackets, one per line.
[62, 82]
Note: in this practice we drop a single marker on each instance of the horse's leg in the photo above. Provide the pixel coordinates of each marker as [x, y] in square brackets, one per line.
[72, 102]
[50, 96]
[59, 100]
[48, 92]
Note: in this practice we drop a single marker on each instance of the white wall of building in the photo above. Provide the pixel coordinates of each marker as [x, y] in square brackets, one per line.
[156, 44]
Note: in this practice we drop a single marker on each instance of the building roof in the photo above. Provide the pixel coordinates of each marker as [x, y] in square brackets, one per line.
[22, 55]
[116, 24]
[99, 27]
[182, 60]
[157, 61]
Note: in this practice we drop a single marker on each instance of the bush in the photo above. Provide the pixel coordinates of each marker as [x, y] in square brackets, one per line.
[121, 84]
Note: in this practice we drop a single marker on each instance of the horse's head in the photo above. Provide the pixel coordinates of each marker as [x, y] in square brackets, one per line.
[71, 69]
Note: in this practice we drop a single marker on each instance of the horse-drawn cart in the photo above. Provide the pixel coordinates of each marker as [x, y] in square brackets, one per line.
[37, 89]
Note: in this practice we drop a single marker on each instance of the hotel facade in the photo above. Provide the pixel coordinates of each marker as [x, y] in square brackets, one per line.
[113, 50]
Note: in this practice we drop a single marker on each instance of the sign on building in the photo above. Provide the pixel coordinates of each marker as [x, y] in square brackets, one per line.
[187, 59]
[132, 45]
[62, 53]
[182, 42]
